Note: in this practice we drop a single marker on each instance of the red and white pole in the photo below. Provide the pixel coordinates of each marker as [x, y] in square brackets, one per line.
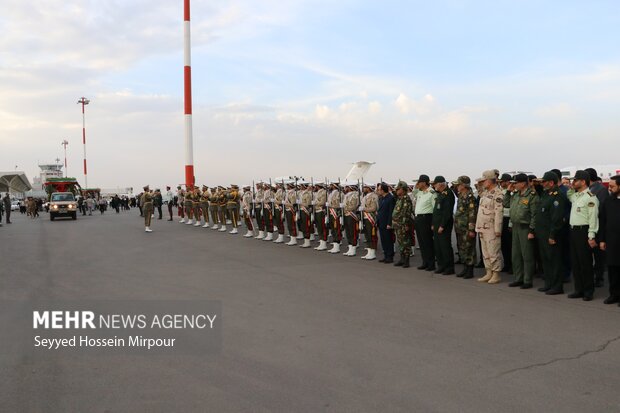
[84, 102]
[65, 143]
[187, 73]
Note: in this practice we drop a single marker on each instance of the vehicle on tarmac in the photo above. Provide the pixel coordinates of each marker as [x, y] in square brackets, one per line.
[15, 206]
[62, 204]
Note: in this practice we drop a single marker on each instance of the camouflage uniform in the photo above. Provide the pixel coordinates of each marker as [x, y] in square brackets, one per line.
[402, 219]
[465, 224]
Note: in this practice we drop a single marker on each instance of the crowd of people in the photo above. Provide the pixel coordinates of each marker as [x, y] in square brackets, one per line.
[522, 225]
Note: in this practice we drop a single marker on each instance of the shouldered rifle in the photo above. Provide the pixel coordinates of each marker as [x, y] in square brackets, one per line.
[360, 192]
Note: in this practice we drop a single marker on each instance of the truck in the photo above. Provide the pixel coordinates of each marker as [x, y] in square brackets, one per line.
[62, 204]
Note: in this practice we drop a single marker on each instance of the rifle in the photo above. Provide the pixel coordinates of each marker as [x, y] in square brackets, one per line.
[312, 204]
[272, 204]
[252, 205]
[341, 217]
[360, 191]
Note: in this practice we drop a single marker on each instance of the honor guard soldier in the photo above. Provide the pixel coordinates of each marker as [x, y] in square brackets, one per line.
[246, 207]
[147, 207]
[189, 205]
[465, 226]
[213, 200]
[232, 205]
[268, 211]
[290, 203]
[197, 205]
[584, 227]
[523, 203]
[320, 216]
[402, 219]
[204, 205]
[489, 226]
[258, 210]
[351, 219]
[442, 224]
[305, 212]
[335, 216]
[181, 203]
[222, 200]
[550, 223]
[278, 211]
[370, 205]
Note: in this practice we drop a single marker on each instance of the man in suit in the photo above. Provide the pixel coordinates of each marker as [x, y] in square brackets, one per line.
[384, 222]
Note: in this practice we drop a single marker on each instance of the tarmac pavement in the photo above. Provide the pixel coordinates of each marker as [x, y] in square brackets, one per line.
[303, 331]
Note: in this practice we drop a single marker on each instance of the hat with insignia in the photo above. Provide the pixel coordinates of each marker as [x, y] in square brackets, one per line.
[462, 180]
[550, 176]
[521, 178]
[402, 185]
[487, 175]
[505, 177]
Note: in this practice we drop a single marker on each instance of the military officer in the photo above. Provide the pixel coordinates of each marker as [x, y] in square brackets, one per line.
[189, 205]
[147, 207]
[290, 205]
[268, 200]
[523, 201]
[305, 213]
[351, 219]
[258, 210]
[465, 226]
[549, 227]
[222, 200]
[278, 211]
[246, 207]
[197, 205]
[584, 227]
[370, 205]
[489, 226]
[424, 205]
[402, 219]
[204, 205]
[232, 205]
[181, 203]
[505, 183]
[213, 200]
[320, 217]
[442, 224]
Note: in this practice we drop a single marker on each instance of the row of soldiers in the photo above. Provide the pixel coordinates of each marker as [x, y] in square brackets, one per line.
[539, 216]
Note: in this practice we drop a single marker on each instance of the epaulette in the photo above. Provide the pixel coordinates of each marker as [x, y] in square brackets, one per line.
[590, 193]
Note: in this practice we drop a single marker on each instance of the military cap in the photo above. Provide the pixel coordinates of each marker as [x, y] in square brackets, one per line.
[550, 176]
[487, 175]
[439, 180]
[146, 187]
[531, 177]
[521, 178]
[402, 185]
[368, 185]
[206, 187]
[425, 179]
[593, 174]
[505, 177]
[179, 187]
[462, 180]
[247, 186]
[167, 187]
[582, 175]
[233, 186]
[557, 172]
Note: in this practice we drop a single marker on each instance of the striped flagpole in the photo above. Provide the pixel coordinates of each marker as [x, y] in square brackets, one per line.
[187, 72]
[83, 101]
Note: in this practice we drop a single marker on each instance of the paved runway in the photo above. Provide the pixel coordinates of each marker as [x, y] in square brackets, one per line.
[303, 331]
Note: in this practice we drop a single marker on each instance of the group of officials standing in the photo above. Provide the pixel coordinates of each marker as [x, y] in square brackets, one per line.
[521, 222]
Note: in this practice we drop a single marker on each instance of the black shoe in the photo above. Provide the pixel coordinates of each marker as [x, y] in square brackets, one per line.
[575, 295]
[431, 268]
[470, 273]
[612, 299]
[554, 292]
[422, 267]
[587, 298]
[515, 284]
[439, 270]
[526, 286]
[382, 260]
[544, 289]
[399, 263]
[599, 283]
[464, 272]
[406, 262]
[388, 261]
[448, 271]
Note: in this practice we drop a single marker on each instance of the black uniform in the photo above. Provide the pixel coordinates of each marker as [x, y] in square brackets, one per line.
[550, 223]
[443, 218]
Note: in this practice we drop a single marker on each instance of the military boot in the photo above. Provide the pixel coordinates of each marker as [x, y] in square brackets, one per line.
[487, 277]
[470, 272]
[464, 272]
[495, 279]
[406, 261]
[400, 262]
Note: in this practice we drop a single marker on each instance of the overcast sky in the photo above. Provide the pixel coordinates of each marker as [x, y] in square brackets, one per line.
[306, 87]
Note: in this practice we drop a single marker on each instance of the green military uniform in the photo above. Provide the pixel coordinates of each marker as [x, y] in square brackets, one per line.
[189, 204]
[402, 219]
[549, 225]
[232, 205]
[213, 198]
[197, 203]
[204, 204]
[443, 219]
[221, 207]
[464, 225]
[147, 206]
[523, 210]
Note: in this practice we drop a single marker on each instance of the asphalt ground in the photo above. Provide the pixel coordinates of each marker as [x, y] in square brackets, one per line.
[303, 331]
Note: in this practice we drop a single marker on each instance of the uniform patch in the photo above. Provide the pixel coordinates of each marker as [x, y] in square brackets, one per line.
[525, 201]
[501, 200]
[578, 209]
[543, 209]
[556, 204]
[591, 204]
